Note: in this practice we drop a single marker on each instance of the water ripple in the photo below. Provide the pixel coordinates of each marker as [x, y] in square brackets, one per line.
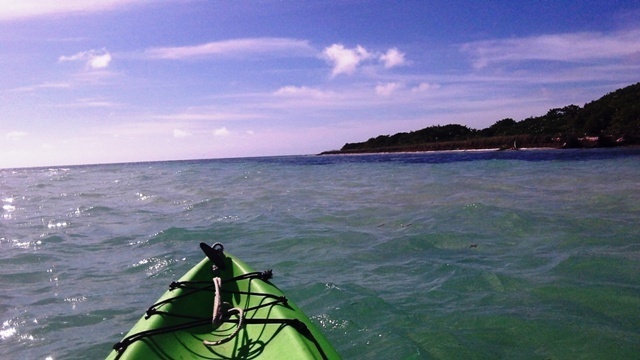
[394, 256]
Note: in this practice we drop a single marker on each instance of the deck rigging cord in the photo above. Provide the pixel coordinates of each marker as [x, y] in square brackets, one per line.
[222, 312]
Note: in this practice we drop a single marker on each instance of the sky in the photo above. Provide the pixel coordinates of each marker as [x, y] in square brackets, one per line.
[110, 81]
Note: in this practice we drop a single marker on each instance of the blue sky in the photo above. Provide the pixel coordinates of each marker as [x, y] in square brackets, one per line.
[88, 81]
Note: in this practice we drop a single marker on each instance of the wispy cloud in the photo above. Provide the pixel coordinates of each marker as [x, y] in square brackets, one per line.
[43, 86]
[221, 132]
[567, 47]
[302, 91]
[15, 135]
[93, 59]
[388, 88]
[205, 114]
[235, 47]
[90, 103]
[425, 86]
[177, 133]
[11, 10]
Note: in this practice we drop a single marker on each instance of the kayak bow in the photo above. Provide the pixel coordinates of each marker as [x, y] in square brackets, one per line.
[221, 309]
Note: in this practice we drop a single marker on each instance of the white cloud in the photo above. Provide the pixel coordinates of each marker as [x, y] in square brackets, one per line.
[422, 87]
[302, 91]
[177, 133]
[221, 132]
[100, 61]
[93, 59]
[20, 9]
[392, 58]
[388, 88]
[346, 61]
[568, 47]
[15, 135]
[343, 60]
[233, 48]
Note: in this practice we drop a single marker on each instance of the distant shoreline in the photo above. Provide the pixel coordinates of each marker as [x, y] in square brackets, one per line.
[426, 149]
[374, 152]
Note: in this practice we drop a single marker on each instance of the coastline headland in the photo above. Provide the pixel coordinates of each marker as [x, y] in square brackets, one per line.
[501, 143]
[611, 121]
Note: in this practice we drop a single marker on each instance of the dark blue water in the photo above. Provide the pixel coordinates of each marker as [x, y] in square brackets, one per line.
[514, 254]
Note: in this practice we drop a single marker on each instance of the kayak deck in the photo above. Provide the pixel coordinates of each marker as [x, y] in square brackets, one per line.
[180, 323]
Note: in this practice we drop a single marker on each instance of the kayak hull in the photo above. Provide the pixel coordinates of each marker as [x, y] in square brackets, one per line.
[271, 328]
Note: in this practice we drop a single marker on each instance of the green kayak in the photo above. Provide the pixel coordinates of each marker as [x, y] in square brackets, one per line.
[222, 309]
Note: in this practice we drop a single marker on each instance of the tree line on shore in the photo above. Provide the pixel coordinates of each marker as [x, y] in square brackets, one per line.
[612, 120]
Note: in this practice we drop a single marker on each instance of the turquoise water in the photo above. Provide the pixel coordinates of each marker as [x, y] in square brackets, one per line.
[530, 254]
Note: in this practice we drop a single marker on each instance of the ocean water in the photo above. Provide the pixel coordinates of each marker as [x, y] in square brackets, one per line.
[454, 255]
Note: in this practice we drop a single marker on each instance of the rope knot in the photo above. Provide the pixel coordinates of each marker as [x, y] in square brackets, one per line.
[150, 311]
[266, 275]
